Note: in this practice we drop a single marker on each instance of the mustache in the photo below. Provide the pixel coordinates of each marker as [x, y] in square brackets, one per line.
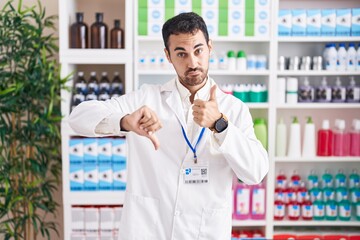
[193, 70]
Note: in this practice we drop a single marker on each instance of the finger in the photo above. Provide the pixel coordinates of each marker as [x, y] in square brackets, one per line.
[154, 126]
[213, 93]
[153, 138]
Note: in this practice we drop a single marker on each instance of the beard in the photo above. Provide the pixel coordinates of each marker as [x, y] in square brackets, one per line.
[189, 79]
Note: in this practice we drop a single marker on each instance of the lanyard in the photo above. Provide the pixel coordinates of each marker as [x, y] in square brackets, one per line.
[193, 149]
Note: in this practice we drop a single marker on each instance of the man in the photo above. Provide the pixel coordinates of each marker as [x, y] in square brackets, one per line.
[185, 138]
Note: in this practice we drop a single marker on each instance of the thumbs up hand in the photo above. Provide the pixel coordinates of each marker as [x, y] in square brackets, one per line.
[205, 113]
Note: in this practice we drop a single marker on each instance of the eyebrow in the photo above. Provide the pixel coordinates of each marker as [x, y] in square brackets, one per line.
[183, 49]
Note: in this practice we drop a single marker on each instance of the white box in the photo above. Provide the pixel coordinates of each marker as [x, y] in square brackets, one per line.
[104, 150]
[343, 22]
[328, 22]
[210, 15]
[117, 220]
[156, 3]
[90, 150]
[313, 25]
[262, 15]
[91, 178]
[298, 22]
[76, 150]
[355, 22]
[262, 4]
[210, 4]
[236, 16]
[76, 177]
[154, 28]
[119, 151]
[107, 220]
[262, 29]
[236, 29]
[105, 177]
[77, 236]
[236, 4]
[284, 22]
[156, 14]
[92, 224]
[119, 176]
[77, 219]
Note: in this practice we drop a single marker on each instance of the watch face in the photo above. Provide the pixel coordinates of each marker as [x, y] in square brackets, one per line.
[221, 125]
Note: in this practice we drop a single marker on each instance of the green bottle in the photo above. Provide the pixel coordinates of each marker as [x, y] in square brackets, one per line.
[340, 192]
[357, 206]
[331, 209]
[312, 179]
[327, 178]
[340, 178]
[329, 192]
[345, 209]
[354, 192]
[315, 192]
[319, 208]
[261, 131]
[354, 178]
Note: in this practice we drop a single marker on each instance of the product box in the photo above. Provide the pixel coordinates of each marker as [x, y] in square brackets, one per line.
[262, 4]
[77, 219]
[104, 150]
[77, 236]
[105, 176]
[76, 152]
[211, 18]
[107, 220]
[209, 3]
[262, 29]
[119, 151]
[355, 22]
[154, 28]
[236, 16]
[313, 25]
[152, 3]
[91, 179]
[235, 4]
[284, 22]
[236, 29]
[343, 22]
[76, 177]
[262, 15]
[299, 20]
[183, 6]
[328, 22]
[92, 218]
[119, 176]
[156, 15]
[118, 214]
[90, 150]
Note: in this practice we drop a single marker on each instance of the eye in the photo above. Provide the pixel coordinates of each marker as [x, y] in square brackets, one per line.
[181, 55]
[198, 51]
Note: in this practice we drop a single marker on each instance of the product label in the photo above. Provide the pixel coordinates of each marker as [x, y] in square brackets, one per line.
[279, 210]
[284, 23]
[331, 210]
[258, 202]
[293, 210]
[243, 201]
[344, 211]
[307, 211]
[358, 210]
[319, 210]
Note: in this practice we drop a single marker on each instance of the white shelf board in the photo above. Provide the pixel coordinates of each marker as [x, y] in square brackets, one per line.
[96, 56]
[96, 198]
[258, 105]
[319, 39]
[314, 223]
[211, 72]
[248, 223]
[318, 159]
[317, 73]
[215, 39]
[324, 106]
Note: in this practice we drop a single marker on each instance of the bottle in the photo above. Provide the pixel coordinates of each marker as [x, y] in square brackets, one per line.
[307, 208]
[93, 85]
[242, 92]
[323, 92]
[355, 138]
[357, 207]
[357, 67]
[294, 149]
[223, 61]
[306, 92]
[103, 95]
[79, 32]
[291, 90]
[328, 192]
[80, 85]
[301, 192]
[281, 90]
[332, 57]
[258, 201]
[241, 61]
[326, 55]
[104, 85]
[261, 62]
[342, 58]
[117, 86]
[261, 131]
[351, 57]
[231, 60]
[290, 191]
[91, 95]
[213, 61]
[281, 178]
[312, 179]
[325, 138]
[77, 99]
[251, 62]
[344, 209]
[340, 192]
[319, 208]
[341, 139]
[309, 139]
[331, 209]
[340, 177]
[281, 139]
[242, 201]
[293, 209]
[279, 208]
[354, 178]
[354, 193]
[353, 91]
[295, 179]
[280, 191]
[99, 32]
[315, 192]
[327, 178]
[338, 92]
[117, 35]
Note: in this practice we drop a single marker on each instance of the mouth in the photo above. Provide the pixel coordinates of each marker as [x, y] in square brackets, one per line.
[194, 73]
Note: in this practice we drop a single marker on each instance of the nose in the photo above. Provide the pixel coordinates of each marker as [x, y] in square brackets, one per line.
[192, 61]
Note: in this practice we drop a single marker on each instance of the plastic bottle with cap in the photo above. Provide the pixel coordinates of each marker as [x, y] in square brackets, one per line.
[294, 149]
[291, 90]
[223, 61]
[309, 139]
[281, 138]
[355, 138]
[213, 61]
[342, 58]
[341, 140]
[306, 92]
[351, 57]
[338, 92]
[357, 67]
[352, 91]
[260, 130]
[242, 92]
[331, 58]
[231, 60]
[325, 137]
[241, 61]
[323, 92]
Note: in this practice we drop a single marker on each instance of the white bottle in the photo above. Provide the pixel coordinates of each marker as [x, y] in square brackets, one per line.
[251, 62]
[342, 58]
[292, 90]
[142, 62]
[357, 67]
[309, 139]
[338, 92]
[352, 91]
[213, 61]
[332, 57]
[294, 149]
[231, 60]
[326, 54]
[223, 61]
[241, 61]
[281, 90]
[281, 139]
[351, 57]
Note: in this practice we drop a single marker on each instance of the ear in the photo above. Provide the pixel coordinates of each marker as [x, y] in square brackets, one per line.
[167, 55]
[210, 46]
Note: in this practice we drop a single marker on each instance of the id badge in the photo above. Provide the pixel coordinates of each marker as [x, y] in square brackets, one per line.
[195, 174]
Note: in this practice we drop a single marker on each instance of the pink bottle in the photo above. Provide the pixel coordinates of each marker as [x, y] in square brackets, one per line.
[355, 138]
[281, 178]
[280, 191]
[325, 138]
[301, 193]
[242, 201]
[307, 208]
[279, 209]
[289, 192]
[295, 179]
[258, 201]
[293, 209]
[341, 139]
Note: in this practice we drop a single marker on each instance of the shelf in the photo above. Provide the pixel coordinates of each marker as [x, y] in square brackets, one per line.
[248, 223]
[317, 73]
[214, 39]
[96, 56]
[257, 105]
[319, 39]
[96, 198]
[211, 72]
[337, 223]
[324, 106]
[317, 159]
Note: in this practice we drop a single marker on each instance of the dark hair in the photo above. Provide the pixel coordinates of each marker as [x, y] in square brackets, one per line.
[189, 22]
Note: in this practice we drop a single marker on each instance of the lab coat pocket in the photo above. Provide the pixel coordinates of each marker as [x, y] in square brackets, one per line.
[215, 224]
[141, 215]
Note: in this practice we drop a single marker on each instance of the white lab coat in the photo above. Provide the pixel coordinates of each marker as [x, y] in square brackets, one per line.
[158, 205]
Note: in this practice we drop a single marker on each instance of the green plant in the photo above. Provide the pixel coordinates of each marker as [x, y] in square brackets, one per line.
[30, 154]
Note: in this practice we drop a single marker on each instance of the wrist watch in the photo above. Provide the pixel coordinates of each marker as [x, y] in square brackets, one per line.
[220, 125]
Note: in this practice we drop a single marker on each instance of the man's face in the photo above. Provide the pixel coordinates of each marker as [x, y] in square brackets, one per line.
[189, 55]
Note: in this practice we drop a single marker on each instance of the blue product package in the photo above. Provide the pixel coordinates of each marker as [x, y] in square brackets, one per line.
[76, 153]
[118, 150]
[104, 150]
[105, 177]
[343, 22]
[119, 176]
[76, 177]
[284, 22]
[328, 22]
[90, 150]
[313, 25]
[91, 179]
[355, 22]
[298, 22]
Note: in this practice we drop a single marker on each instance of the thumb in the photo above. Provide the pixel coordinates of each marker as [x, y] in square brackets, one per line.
[213, 93]
[154, 140]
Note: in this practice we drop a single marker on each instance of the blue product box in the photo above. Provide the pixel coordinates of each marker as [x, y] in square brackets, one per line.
[104, 150]
[119, 150]
[343, 22]
[355, 22]
[298, 22]
[284, 23]
[119, 176]
[91, 179]
[328, 22]
[76, 177]
[313, 25]
[76, 151]
[105, 177]
[90, 150]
